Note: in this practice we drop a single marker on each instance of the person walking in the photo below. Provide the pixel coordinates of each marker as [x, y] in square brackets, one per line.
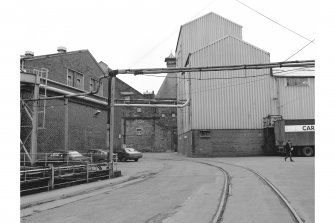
[288, 150]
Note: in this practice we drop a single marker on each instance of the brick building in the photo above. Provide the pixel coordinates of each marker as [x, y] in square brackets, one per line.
[149, 129]
[65, 73]
[227, 108]
[82, 123]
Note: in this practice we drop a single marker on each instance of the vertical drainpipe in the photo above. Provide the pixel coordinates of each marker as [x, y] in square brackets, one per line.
[124, 130]
[35, 121]
[190, 114]
[278, 95]
[66, 132]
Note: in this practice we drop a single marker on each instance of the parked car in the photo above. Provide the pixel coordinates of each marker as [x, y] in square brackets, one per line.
[99, 155]
[125, 154]
[68, 157]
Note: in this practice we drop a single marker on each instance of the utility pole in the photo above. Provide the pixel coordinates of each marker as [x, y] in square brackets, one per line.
[108, 114]
[111, 101]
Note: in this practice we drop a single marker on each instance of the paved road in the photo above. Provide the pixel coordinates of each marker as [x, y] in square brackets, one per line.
[179, 190]
[182, 192]
[295, 180]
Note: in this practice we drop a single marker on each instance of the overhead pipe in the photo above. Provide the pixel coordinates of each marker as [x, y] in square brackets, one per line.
[304, 63]
[154, 105]
[68, 94]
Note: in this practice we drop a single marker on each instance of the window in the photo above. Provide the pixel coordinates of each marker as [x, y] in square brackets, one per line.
[163, 115]
[205, 133]
[139, 109]
[94, 84]
[139, 131]
[75, 79]
[297, 81]
[173, 115]
[127, 98]
[69, 79]
[139, 120]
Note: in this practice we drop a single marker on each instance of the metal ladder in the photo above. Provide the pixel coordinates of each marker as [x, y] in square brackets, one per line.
[43, 74]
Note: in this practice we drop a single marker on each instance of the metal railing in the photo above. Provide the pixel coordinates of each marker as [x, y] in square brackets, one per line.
[43, 159]
[35, 179]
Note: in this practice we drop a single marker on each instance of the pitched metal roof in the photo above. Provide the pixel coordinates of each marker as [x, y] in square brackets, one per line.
[206, 15]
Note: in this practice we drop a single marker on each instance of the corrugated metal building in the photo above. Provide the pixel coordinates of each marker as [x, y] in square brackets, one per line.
[225, 116]
[296, 96]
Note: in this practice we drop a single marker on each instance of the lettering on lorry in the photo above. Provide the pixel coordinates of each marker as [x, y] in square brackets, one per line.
[299, 128]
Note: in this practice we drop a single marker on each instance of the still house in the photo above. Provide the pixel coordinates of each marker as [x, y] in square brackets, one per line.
[225, 115]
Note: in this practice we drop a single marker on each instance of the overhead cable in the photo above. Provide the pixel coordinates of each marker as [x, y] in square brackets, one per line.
[274, 21]
[300, 49]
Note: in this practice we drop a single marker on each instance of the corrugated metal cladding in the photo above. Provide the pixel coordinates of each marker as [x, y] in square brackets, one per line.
[193, 36]
[183, 114]
[202, 32]
[239, 101]
[297, 102]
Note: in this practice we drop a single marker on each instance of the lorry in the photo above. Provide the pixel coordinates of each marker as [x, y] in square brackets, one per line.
[301, 132]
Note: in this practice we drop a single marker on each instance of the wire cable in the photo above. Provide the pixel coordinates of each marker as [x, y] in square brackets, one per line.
[300, 49]
[169, 36]
[273, 21]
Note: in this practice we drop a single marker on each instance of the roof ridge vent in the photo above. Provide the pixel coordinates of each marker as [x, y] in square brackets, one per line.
[29, 54]
[61, 49]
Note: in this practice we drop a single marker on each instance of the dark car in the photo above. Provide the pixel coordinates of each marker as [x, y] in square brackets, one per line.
[125, 154]
[66, 157]
[99, 155]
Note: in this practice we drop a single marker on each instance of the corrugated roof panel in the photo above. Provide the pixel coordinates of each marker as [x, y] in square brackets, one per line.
[204, 31]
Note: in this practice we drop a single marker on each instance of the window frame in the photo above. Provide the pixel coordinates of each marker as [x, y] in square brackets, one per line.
[74, 75]
[139, 131]
[297, 82]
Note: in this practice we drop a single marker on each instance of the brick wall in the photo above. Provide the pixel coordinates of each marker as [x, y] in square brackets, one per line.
[81, 61]
[159, 131]
[218, 143]
[140, 134]
[86, 131]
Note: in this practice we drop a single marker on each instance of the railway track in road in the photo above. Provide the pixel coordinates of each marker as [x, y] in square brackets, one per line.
[287, 204]
[223, 204]
[224, 195]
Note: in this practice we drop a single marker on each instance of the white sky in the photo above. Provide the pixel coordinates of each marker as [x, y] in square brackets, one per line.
[140, 34]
